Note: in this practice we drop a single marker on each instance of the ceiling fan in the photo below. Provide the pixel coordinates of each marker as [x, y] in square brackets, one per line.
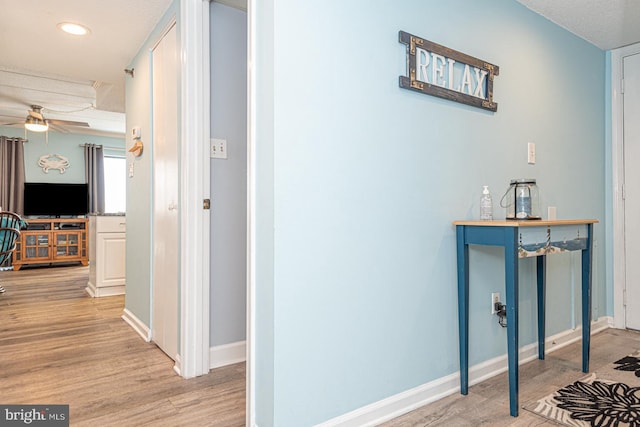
[36, 122]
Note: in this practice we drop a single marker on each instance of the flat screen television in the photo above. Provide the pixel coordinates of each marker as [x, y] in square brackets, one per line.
[55, 200]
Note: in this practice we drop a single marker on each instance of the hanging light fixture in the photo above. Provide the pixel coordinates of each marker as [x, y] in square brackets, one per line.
[35, 122]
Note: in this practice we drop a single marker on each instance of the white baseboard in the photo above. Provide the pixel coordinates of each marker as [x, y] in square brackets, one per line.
[104, 291]
[137, 325]
[401, 403]
[90, 289]
[177, 367]
[227, 354]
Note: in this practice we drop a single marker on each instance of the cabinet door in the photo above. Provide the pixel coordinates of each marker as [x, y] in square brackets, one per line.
[17, 253]
[68, 245]
[36, 245]
[111, 259]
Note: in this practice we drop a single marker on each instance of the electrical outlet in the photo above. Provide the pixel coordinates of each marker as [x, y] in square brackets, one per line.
[495, 297]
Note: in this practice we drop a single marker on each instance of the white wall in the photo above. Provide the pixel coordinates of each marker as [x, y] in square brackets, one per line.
[229, 176]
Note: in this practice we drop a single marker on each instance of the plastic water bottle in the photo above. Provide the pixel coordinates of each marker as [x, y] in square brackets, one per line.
[486, 204]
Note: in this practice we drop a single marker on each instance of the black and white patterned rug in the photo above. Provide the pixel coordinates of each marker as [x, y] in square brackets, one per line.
[610, 399]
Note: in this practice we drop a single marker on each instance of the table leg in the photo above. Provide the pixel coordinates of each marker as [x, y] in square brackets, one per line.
[541, 273]
[463, 307]
[511, 287]
[587, 256]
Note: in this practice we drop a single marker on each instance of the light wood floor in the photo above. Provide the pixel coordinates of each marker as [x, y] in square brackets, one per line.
[487, 403]
[59, 346]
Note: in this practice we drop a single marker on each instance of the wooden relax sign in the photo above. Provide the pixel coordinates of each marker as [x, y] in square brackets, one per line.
[446, 73]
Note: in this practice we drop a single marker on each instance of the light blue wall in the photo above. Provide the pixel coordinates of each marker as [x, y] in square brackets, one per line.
[358, 182]
[228, 177]
[66, 145]
[139, 187]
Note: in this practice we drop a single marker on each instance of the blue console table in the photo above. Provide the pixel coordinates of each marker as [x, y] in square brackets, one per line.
[522, 239]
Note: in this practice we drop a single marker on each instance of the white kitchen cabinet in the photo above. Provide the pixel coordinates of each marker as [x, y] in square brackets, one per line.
[107, 243]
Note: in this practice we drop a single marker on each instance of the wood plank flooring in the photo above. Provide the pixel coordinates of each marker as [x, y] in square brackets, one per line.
[487, 403]
[59, 346]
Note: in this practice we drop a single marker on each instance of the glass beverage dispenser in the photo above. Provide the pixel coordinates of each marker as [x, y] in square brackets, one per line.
[522, 200]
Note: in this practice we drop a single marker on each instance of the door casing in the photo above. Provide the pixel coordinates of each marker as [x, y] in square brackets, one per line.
[617, 257]
[194, 175]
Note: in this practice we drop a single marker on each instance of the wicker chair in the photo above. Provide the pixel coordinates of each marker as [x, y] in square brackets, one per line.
[10, 225]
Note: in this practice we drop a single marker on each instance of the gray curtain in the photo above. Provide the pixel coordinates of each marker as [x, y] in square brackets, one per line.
[12, 174]
[94, 175]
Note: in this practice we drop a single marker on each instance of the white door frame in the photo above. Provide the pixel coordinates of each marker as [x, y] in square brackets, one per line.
[617, 172]
[252, 59]
[194, 187]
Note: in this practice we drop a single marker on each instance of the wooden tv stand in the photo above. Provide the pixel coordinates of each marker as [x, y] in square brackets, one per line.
[51, 241]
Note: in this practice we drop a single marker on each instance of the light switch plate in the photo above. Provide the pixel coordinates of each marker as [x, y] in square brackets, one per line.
[218, 148]
[136, 132]
[531, 153]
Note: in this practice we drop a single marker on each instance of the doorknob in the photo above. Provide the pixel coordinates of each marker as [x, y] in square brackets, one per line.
[173, 206]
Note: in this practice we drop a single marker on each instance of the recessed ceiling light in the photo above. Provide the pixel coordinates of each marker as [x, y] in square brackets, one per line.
[75, 29]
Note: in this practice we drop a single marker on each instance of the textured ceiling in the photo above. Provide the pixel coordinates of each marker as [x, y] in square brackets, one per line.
[31, 46]
[31, 40]
[41, 65]
[607, 24]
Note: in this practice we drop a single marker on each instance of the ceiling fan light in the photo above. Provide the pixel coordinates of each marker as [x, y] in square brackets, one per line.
[75, 29]
[35, 125]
